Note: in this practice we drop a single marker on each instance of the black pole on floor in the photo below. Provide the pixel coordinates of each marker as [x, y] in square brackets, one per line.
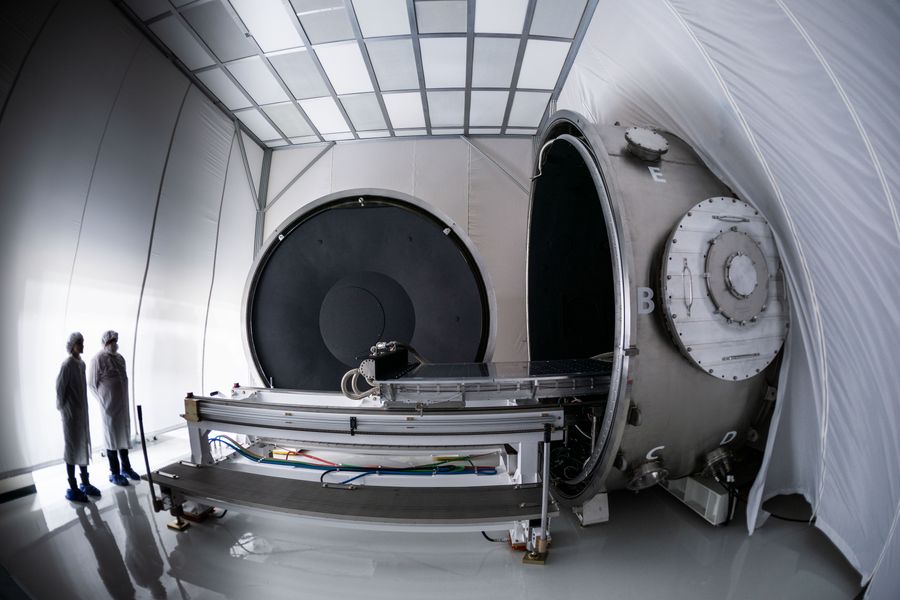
[157, 505]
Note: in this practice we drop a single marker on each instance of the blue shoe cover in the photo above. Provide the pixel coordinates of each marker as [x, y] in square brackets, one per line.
[89, 490]
[130, 473]
[76, 495]
[118, 479]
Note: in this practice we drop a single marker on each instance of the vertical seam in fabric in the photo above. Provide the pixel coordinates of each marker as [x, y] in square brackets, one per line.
[15, 80]
[162, 180]
[212, 279]
[872, 156]
[823, 370]
[87, 194]
[870, 148]
[468, 188]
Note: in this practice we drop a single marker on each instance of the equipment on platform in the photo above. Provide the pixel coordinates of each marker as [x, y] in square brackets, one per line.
[656, 313]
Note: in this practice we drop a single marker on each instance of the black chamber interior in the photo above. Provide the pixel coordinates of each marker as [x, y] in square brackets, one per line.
[571, 298]
[349, 275]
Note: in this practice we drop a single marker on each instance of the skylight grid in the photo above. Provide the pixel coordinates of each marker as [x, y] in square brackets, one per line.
[303, 71]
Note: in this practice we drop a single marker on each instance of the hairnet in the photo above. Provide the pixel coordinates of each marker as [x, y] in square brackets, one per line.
[75, 338]
[109, 336]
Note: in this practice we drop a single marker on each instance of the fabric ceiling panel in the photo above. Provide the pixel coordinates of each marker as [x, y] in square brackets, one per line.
[405, 109]
[542, 64]
[270, 24]
[255, 77]
[220, 32]
[180, 41]
[171, 319]
[299, 73]
[147, 9]
[500, 16]
[382, 17]
[224, 89]
[444, 61]
[52, 129]
[116, 228]
[288, 119]
[528, 108]
[494, 61]
[364, 111]
[345, 67]
[224, 360]
[324, 20]
[442, 16]
[487, 108]
[256, 123]
[394, 63]
[325, 115]
[446, 109]
[557, 19]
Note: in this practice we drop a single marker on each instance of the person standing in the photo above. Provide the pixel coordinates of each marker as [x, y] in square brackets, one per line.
[109, 383]
[71, 402]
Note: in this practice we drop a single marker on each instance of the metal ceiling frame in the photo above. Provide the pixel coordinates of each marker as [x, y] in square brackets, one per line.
[414, 36]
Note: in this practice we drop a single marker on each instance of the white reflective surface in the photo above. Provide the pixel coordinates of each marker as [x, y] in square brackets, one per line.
[653, 547]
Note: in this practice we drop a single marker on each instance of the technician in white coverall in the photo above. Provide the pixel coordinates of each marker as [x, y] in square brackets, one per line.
[71, 402]
[109, 383]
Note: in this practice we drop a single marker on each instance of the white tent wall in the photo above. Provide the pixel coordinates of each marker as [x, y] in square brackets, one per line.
[793, 104]
[481, 184]
[99, 141]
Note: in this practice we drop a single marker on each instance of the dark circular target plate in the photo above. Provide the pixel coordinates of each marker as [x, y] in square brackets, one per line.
[344, 275]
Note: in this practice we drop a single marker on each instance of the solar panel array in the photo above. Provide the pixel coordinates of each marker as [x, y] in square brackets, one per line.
[305, 71]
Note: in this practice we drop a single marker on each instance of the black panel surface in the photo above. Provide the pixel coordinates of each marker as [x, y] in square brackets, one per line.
[347, 275]
[571, 302]
[412, 505]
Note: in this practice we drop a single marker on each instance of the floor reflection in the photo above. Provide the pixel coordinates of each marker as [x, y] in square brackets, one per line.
[142, 555]
[110, 565]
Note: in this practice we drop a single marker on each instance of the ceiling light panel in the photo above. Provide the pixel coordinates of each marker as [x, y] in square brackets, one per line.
[487, 108]
[542, 63]
[147, 9]
[373, 134]
[500, 16]
[364, 111]
[382, 17]
[345, 67]
[288, 119]
[528, 109]
[256, 123]
[224, 89]
[270, 23]
[410, 132]
[394, 64]
[337, 137]
[444, 61]
[405, 109]
[446, 109]
[442, 16]
[276, 143]
[448, 131]
[557, 19]
[219, 31]
[179, 40]
[299, 73]
[255, 77]
[324, 20]
[494, 61]
[325, 115]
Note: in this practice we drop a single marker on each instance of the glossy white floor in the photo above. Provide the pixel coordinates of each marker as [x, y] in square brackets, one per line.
[652, 548]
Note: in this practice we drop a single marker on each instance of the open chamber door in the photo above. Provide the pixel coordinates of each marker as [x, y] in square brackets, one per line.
[637, 253]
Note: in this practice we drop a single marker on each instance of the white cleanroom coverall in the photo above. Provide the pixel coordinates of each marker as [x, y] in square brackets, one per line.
[109, 383]
[71, 402]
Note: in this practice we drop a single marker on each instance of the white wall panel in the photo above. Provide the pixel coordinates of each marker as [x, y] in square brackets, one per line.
[224, 361]
[20, 25]
[451, 176]
[169, 335]
[49, 138]
[118, 217]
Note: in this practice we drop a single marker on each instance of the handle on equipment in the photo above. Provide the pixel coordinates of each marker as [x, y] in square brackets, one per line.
[687, 287]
